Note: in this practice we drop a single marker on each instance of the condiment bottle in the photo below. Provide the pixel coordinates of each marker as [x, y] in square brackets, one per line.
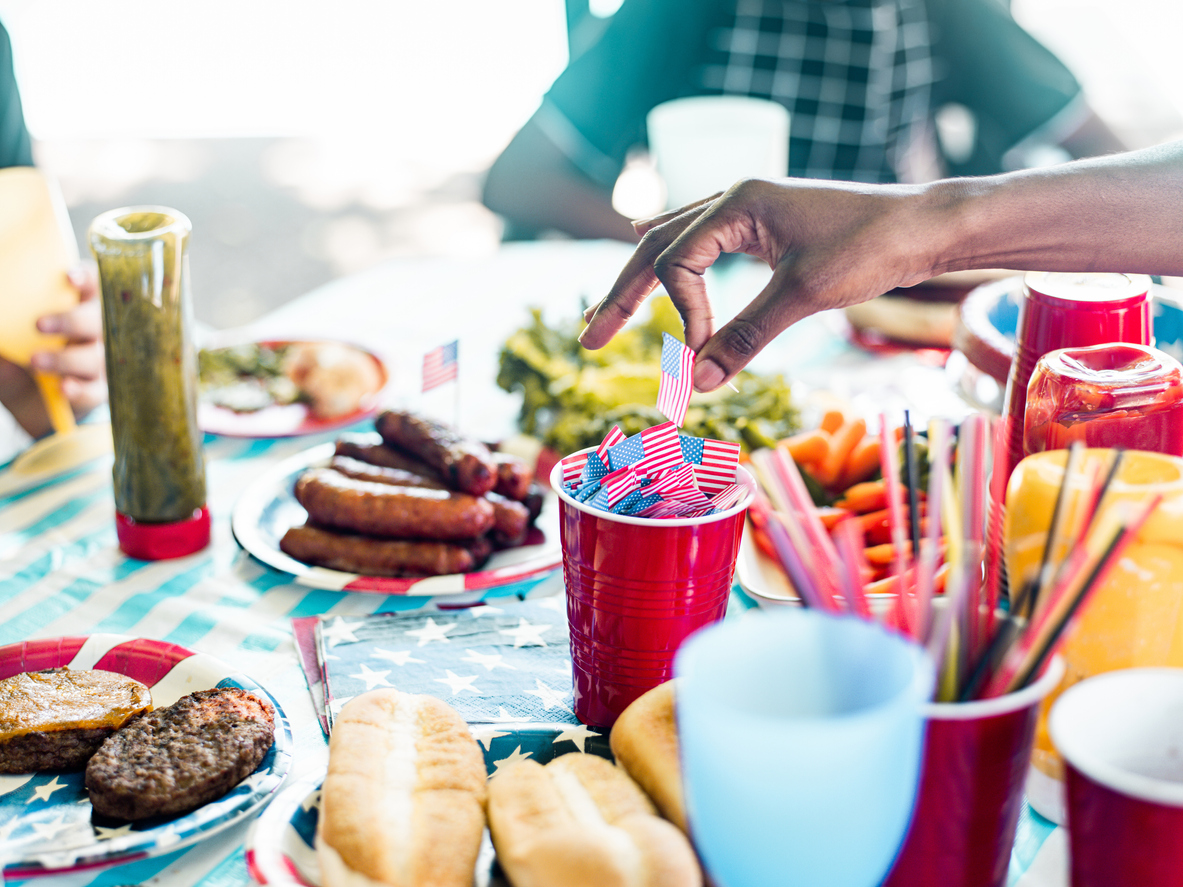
[1135, 617]
[1115, 395]
[159, 471]
[1061, 310]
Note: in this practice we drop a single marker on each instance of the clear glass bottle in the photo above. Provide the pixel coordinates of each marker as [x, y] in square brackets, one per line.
[159, 471]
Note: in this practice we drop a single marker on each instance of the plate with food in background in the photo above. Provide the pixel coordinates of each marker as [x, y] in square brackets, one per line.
[417, 509]
[286, 388]
[159, 701]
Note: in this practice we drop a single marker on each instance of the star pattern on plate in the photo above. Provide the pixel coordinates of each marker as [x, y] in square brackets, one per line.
[106, 834]
[456, 683]
[44, 792]
[431, 632]
[488, 661]
[8, 828]
[526, 634]
[486, 734]
[372, 678]
[51, 829]
[576, 733]
[398, 657]
[339, 631]
[512, 758]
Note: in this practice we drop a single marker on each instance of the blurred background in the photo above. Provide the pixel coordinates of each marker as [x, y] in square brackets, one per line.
[310, 140]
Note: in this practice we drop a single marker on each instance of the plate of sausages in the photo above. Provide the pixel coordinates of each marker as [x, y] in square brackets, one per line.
[416, 509]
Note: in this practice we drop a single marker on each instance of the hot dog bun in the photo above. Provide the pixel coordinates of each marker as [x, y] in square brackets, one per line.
[580, 820]
[403, 801]
[644, 741]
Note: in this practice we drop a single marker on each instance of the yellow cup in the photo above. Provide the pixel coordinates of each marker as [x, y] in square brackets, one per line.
[1135, 618]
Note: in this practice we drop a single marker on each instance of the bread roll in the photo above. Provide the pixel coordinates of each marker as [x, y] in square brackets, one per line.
[644, 740]
[580, 820]
[403, 801]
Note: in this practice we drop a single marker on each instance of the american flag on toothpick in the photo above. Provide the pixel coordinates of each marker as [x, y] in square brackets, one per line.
[714, 462]
[677, 383]
[441, 365]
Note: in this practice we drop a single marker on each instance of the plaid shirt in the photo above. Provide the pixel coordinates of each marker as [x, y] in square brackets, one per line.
[860, 78]
[855, 75]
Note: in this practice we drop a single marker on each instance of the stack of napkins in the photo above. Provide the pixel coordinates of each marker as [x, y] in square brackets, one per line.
[494, 664]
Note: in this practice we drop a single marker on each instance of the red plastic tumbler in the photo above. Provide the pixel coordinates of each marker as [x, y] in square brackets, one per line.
[976, 756]
[636, 588]
[1061, 310]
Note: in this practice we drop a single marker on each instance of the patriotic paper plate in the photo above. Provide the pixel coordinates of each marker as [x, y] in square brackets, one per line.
[286, 420]
[46, 824]
[280, 848]
[268, 508]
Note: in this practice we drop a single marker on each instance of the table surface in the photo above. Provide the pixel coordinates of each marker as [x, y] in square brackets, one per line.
[61, 572]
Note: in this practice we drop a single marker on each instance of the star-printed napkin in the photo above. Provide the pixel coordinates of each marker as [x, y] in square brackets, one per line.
[493, 664]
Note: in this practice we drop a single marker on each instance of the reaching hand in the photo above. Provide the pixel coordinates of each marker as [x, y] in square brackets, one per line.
[829, 244]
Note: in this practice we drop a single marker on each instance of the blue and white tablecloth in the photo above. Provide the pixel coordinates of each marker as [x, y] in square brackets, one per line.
[61, 572]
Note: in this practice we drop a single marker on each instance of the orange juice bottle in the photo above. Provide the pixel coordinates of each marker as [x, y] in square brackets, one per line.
[1135, 618]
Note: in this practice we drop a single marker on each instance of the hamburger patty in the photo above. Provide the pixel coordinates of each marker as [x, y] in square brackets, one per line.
[56, 718]
[177, 758]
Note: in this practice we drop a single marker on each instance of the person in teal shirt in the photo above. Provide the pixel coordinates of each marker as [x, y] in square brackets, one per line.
[863, 81]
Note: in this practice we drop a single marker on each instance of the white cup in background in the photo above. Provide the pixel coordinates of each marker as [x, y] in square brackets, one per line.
[705, 144]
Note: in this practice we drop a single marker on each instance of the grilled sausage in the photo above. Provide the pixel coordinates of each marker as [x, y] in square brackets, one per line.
[397, 477]
[513, 476]
[368, 556]
[510, 520]
[333, 500]
[365, 449]
[464, 464]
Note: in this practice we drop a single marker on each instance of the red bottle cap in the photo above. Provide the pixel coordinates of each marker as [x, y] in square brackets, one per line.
[157, 542]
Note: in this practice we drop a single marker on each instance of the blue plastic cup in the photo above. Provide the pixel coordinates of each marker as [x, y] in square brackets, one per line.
[801, 736]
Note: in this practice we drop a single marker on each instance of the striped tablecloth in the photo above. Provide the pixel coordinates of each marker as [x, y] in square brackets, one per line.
[61, 572]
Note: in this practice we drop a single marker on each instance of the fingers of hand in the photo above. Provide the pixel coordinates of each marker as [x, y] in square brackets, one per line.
[85, 278]
[83, 396]
[82, 324]
[83, 362]
[641, 226]
[636, 281]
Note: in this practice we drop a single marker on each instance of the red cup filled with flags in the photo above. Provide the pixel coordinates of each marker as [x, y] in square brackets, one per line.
[650, 527]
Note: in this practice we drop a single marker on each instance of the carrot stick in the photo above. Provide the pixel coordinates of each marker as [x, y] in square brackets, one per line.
[865, 497]
[863, 461]
[808, 446]
[832, 421]
[831, 517]
[844, 440]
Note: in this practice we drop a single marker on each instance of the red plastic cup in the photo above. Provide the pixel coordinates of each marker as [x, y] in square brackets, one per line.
[1121, 735]
[1060, 310]
[636, 588]
[971, 789]
[1114, 395]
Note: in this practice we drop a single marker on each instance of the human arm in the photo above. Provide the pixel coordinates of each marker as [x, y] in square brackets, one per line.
[535, 185]
[833, 244]
[80, 363]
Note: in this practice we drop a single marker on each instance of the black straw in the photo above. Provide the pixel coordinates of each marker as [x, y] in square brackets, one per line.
[913, 483]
